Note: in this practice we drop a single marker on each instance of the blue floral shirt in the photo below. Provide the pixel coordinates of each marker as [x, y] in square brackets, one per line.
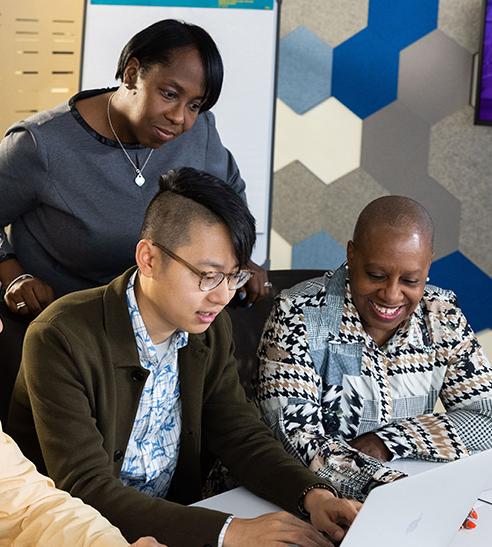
[153, 448]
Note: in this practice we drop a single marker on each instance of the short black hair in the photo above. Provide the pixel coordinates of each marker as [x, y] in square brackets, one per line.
[187, 195]
[157, 43]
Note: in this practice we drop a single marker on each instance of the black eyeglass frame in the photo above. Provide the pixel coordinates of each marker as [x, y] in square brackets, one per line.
[203, 274]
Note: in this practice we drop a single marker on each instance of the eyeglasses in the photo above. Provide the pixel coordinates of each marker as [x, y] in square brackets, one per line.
[211, 280]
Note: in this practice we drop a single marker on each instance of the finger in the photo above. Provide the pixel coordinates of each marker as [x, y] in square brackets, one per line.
[44, 294]
[253, 290]
[16, 304]
[30, 298]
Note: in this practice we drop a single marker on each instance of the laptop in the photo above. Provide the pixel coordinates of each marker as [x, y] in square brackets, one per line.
[424, 510]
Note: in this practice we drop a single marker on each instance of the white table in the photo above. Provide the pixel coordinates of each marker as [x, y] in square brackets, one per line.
[243, 503]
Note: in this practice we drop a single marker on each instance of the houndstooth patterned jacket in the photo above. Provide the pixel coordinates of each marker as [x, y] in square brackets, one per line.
[323, 381]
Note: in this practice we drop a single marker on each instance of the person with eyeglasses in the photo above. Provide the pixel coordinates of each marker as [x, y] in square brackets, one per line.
[77, 178]
[126, 391]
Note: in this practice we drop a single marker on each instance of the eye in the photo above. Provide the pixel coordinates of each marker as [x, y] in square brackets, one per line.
[411, 281]
[376, 277]
[195, 107]
[168, 94]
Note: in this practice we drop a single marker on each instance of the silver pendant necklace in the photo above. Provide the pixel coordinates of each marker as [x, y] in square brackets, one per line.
[139, 178]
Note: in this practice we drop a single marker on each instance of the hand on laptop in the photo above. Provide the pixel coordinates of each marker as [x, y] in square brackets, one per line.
[330, 514]
[271, 530]
[372, 445]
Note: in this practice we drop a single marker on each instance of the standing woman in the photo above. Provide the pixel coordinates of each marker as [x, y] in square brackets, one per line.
[75, 180]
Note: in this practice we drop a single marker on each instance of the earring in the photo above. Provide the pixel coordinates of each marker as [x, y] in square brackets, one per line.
[427, 279]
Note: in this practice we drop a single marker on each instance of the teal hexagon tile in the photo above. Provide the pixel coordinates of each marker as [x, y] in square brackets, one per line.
[304, 76]
[319, 251]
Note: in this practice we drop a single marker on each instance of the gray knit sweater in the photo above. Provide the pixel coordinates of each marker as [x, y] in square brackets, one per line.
[70, 196]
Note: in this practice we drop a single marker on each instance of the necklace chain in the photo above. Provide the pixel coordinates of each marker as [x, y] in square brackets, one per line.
[139, 179]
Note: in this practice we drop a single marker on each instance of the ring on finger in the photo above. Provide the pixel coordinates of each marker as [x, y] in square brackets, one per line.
[20, 305]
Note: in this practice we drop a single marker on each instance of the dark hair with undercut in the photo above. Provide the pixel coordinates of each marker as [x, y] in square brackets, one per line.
[187, 195]
[395, 212]
[157, 43]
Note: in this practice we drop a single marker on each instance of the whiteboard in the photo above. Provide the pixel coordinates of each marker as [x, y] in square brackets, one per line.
[247, 41]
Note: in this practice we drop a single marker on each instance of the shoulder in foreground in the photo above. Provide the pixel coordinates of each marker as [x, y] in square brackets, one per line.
[435, 298]
[73, 307]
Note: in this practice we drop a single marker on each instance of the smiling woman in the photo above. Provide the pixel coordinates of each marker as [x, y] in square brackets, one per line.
[352, 363]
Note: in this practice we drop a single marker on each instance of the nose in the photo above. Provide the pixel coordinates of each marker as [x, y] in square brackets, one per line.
[176, 114]
[391, 293]
[221, 295]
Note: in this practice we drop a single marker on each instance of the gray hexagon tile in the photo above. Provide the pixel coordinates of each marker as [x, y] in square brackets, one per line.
[435, 75]
[298, 204]
[395, 146]
[344, 199]
[460, 161]
[334, 21]
[460, 20]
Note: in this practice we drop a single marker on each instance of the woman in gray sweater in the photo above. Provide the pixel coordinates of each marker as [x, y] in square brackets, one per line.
[75, 180]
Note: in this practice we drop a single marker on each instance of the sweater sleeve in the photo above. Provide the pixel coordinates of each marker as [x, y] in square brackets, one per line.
[296, 404]
[466, 394]
[74, 450]
[34, 512]
[23, 170]
[220, 160]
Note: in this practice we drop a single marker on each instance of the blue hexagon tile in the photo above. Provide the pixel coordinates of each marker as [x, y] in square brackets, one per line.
[305, 64]
[319, 251]
[365, 73]
[402, 22]
[471, 285]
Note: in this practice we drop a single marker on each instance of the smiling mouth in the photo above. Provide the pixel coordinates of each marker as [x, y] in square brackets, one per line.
[387, 312]
[164, 134]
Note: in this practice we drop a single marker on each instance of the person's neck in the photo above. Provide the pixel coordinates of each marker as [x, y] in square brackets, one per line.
[116, 103]
[157, 330]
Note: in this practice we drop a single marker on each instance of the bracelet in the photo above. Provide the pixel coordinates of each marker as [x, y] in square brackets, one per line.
[323, 486]
[18, 278]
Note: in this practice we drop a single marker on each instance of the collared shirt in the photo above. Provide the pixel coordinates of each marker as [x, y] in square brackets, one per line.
[152, 452]
[34, 512]
[324, 381]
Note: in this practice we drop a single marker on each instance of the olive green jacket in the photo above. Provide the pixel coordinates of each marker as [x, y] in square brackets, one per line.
[79, 387]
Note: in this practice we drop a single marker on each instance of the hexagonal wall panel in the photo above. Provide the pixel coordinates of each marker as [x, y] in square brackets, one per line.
[401, 22]
[485, 339]
[344, 199]
[336, 149]
[319, 251]
[280, 252]
[395, 146]
[304, 78]
[298, 208]
[472, 287]
[460, 156]
[365, 73]
[334, 21]
[461, 22]
[435, 75]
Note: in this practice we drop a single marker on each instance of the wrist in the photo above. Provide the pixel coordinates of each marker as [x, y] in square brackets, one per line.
[9, 270]
[313, 495]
